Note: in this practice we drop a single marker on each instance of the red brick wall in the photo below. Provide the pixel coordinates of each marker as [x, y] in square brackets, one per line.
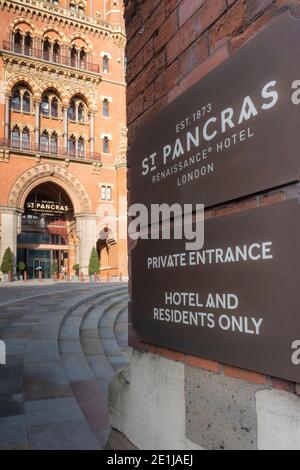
[171, 45]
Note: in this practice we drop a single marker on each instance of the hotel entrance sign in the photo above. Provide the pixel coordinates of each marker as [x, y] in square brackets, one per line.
[235, 133]
[236, 301]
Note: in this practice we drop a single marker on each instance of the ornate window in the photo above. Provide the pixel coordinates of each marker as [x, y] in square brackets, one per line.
[80, 147]
[56, 52]
[72, 145]
[18, 42]
[82, 59]
[45, 142]
[77, 110]
[105, 108]
[105, 64]
[74, 56]
[105, 144]
[46, 49]
[16, 100]
[54, 143]
[50, 105]
[28, 44]
[21, 99]
[15, 137]
[26, 102]
[25, 138]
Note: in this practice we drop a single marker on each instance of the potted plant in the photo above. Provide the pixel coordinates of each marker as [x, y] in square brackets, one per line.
[54, 269]
[21, 269]
[94, 264]
[7, 264]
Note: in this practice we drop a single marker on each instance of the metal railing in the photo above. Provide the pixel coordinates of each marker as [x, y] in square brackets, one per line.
[55, 58]
[68, 13]
[50, 150]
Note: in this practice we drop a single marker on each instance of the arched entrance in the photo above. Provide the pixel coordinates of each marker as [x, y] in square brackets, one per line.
[47, 232]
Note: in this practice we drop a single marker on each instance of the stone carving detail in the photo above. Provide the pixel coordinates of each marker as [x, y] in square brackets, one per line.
[47, 170]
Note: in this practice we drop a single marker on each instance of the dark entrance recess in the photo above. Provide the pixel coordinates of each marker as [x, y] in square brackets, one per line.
[46, 223]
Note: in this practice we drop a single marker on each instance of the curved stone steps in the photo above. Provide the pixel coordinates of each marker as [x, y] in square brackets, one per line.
[94, 345]
[111, 324]
[55, 417]
[84, 384]
[71, 353]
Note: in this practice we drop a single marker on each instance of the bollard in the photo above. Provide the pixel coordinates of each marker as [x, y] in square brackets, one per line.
[81, 277]
[40, 276]
[95, 277]
[25, 276]
[54, 277]
[9, 277]
[120, 277]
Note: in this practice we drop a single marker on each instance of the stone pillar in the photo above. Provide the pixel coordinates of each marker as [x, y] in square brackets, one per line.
[86, 230]
[92, 132]
[65, 133]
[11, 226]
[6, 121]
[37, 124]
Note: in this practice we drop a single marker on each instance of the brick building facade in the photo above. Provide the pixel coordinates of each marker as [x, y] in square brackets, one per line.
[63, 133]
[171, 45]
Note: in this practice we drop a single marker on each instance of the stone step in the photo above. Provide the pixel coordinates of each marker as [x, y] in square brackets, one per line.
[54, 419]
[85, 386]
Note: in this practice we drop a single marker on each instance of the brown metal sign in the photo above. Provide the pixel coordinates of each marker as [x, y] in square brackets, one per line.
[235, 301]
[235, 133]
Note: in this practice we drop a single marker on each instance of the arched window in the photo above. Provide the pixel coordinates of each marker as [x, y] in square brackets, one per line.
[50, 104]
[54, 143]
[78, 110]
[74, 57]
[28, 44]
[82, 59]
[80, 147]
[72, 145]
[54, 107]
[105, 108]
[16, 100]
[56, 52]
[26, 102]
[15, 137]
[18, 41]
[81, 112]
[106, 145]
[25, 138]
[45, 142]
[105, 64]
[45, 105]
[21, 99]
[72, 111]
[46, 49]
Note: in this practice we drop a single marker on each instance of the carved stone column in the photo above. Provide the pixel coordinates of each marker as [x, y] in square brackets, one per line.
[11, 223]
[65, 133]
[37, 123]
[6, 121]
[92, 132]
[86, 230]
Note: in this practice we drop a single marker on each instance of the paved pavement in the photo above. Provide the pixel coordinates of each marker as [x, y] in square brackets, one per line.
[64, 345]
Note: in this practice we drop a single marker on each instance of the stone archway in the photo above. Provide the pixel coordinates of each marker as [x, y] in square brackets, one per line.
[85, 219]
[55, 173]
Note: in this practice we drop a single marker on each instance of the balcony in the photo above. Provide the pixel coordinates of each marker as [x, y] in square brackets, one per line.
[43, 5]
[50, 151]
[50, 57]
